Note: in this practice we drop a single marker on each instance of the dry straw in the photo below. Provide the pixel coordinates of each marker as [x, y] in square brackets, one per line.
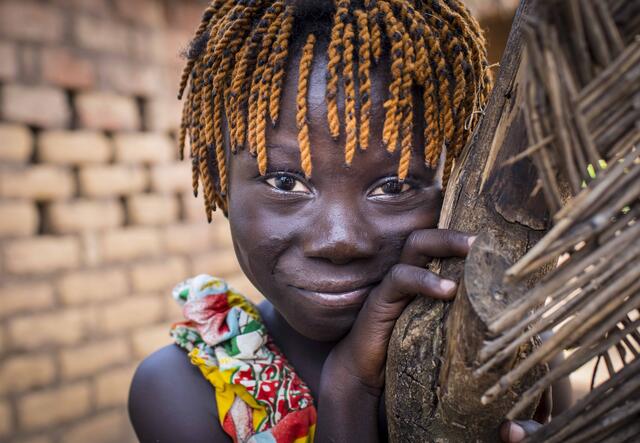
[582, 114]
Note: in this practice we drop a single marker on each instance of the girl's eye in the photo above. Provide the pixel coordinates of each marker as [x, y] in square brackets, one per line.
[392, 187]
[288, 183]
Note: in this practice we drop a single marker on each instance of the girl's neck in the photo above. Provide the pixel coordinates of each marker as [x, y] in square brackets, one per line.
[307, 356]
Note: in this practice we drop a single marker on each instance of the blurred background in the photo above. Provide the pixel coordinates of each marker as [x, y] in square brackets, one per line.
[97, 220]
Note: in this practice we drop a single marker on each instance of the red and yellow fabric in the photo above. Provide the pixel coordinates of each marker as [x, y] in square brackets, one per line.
[260, 397]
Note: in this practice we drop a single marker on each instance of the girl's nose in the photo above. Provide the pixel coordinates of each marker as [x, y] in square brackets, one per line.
[340, 235]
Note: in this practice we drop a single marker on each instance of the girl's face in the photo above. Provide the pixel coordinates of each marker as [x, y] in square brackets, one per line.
[315, 247]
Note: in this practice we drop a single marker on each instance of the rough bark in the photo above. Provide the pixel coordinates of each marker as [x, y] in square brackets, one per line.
[431, 393]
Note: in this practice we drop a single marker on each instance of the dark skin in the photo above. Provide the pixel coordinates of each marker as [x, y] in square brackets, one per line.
[338, 256]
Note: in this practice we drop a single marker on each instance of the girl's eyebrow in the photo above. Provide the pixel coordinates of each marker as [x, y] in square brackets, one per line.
[283, 156]
[284, 153]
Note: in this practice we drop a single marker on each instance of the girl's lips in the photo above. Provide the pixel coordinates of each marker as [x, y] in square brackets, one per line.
[351, 298]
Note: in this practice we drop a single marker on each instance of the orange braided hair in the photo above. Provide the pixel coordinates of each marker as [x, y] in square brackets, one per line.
[237, 65]
[301, 115]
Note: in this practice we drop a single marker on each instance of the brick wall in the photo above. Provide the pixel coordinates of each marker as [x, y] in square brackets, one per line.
[97, 220]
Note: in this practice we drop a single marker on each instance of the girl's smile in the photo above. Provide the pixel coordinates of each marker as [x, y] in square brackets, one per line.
[340, 299]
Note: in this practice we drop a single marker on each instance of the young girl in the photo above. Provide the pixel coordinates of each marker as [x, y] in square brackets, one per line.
[324, 131]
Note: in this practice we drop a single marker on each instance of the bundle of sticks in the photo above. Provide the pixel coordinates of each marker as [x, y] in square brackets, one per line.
[582, 112]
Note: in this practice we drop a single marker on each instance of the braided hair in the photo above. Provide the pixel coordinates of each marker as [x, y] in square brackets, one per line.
[238, 59]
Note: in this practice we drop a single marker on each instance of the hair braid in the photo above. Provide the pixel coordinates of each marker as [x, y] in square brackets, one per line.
[261, 82]
[266, 39]
[190, 131]
[200, 145]
[480, 58]
[394, 33]
[194, 132]
[243, 80]
[441, 69]
[182, 134]
[279, 63]
[204, 23]
[228, 55]
[465, 84]
[472, 42]
[376, 35]
[237, 93]
[416, 32]
[448, 168]
[425, 74]
[364, 77]
[456, 71]
[333, 64]
[444, 71]
[459, 100]
[468, 100]
[433, 141]
[406, 103]
[476, 37]
[219, 143]
[301, 100]
[350, 95]
[205, 101]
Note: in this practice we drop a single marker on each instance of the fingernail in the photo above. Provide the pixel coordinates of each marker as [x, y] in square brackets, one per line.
[516, 433]
[470, 240]
[447, 285]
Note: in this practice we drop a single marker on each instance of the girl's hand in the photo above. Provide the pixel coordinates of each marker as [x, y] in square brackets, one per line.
[353, 374]
[361, 354]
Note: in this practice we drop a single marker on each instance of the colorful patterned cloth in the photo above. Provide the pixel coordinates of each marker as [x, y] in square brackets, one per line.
[260, 398]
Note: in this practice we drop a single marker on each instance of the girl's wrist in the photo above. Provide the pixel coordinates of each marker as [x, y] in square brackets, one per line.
[346, 406]
[338, 376]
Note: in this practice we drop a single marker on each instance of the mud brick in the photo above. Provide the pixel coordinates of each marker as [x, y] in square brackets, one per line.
[91, 286]
[53, 406]
[16, 143]
[41, 106]
[18, 218]
[67, 217]
[38, 182]
[65, 68]
[39, 255]
[107, 111]
[31, 21]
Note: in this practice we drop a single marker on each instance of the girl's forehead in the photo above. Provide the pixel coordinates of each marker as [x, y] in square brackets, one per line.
[328, 153]
[317, 93]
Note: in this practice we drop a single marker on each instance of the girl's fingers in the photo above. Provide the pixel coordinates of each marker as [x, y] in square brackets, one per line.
[401, 284]
[423, 245]
[405, 281]
[518, 430]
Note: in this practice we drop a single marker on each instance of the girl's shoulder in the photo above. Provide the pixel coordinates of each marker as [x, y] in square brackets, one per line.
[223, 368]
[170, 400]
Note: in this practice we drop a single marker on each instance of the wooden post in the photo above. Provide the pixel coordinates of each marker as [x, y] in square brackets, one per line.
[431, 392]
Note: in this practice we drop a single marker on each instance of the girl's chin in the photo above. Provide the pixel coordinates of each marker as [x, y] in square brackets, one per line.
[329, 330]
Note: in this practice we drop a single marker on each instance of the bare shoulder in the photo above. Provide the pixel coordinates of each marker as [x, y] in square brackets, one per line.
[170, 400]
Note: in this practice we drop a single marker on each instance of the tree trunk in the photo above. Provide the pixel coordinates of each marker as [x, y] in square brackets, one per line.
[431, 392]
